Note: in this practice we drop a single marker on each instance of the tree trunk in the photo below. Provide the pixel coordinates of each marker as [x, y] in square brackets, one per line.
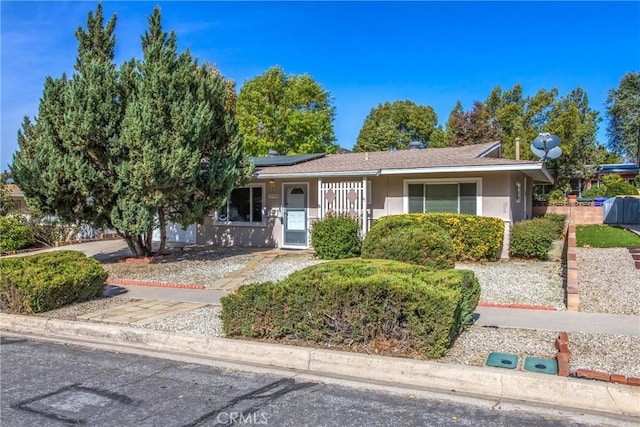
[163, 230]
[133, 244]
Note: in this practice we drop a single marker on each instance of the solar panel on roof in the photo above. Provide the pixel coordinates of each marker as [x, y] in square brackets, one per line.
[262, 162]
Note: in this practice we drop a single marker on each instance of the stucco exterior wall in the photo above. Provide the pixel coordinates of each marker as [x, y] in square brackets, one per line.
[497, 190]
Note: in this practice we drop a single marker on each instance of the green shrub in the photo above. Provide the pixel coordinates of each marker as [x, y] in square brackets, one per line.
[615, 185]
[15, 233]
[559, 220]
[594, 192]
[403, 239]
[43, 282]
[555, 196]
[358, 302]
[336, 237]
[474, 238]
[532, 238]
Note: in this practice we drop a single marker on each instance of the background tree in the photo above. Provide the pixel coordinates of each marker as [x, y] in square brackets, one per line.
[130, 149]
[289, 114]
[472, 127]
[571, 119]
[6, 204]
[623, 110]
[395, 125]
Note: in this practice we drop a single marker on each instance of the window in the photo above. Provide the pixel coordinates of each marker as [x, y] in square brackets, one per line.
[443, 197]
[244, 205]
[518, 192]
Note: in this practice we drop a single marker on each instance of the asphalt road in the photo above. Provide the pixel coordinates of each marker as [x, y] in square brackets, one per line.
[49, 384]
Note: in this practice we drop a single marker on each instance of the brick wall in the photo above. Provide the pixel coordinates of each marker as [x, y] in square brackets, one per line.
[579, 214]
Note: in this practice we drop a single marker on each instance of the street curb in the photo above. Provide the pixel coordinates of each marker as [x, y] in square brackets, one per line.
[574, 393]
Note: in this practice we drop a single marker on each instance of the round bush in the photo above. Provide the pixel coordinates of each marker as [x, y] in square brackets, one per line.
[336, 237]
[532, 238]
[404, 239]
[15, 233]
[37, 283]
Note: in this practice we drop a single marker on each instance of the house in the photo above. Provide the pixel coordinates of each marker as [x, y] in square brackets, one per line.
[628, 172]
[287, 193]
[17, 197]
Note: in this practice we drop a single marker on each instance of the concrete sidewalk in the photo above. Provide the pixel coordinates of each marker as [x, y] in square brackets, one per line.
[568, 321]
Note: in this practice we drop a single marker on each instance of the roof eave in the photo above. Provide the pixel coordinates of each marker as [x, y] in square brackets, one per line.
[495, 146]
[296, 175]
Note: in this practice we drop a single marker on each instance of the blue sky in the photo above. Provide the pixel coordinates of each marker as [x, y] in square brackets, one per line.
[364, 53]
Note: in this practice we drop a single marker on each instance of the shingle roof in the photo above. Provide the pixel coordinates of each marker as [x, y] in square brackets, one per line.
[382, 162]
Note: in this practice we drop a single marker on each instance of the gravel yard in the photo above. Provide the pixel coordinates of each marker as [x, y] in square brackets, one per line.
[191, 266]
[523, 282]
[608, 281]
[281, 267]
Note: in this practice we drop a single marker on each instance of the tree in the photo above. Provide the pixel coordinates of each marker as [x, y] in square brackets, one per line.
[289, 114]
[571, 119]
[133, 148]
[6, 204]
[395, 125]
[623, 110]
[473, 127]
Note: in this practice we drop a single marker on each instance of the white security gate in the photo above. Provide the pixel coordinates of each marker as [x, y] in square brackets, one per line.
[347, 197]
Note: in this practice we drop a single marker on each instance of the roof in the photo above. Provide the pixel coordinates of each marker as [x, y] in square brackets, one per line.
[618, 168]
[470, 158]
[276, 160]
[14, 190]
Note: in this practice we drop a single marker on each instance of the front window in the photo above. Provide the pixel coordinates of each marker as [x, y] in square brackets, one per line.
[443, 197]
[244, 205]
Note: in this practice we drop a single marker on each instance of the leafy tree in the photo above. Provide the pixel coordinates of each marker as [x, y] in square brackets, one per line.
[395, 125]
[6, 204]
[473, 127]
[576, 124]
[130, 149]
[289, 114]
[623, 109]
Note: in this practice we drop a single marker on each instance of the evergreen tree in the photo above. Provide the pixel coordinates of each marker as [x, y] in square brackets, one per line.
[131, 149]
[623, 109]
[64, 165]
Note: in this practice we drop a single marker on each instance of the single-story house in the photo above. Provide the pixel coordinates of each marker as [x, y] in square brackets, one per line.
[628, 172]
[17, 197]
[288, 193]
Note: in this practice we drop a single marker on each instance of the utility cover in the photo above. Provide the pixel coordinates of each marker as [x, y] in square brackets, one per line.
[502, 360]
[544, 366]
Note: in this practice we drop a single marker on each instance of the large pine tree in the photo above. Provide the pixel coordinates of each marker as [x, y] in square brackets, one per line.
[133, 148]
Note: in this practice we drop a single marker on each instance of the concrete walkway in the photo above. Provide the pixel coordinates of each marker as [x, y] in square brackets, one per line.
[567, 321]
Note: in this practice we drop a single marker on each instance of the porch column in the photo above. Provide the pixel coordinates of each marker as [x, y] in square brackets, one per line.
[320, 197]
[365, 214]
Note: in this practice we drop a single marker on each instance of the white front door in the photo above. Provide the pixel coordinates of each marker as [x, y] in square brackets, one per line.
[295, 214]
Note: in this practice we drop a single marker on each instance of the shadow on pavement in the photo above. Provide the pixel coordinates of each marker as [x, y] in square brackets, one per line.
[114, 291]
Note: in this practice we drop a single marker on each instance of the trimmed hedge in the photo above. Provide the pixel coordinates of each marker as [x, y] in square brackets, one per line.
[336, 237]
[43, 282]
[403, 239]
[533, 238]
[474, 238]
[15, 233]
[358, 301]
[559, 220]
